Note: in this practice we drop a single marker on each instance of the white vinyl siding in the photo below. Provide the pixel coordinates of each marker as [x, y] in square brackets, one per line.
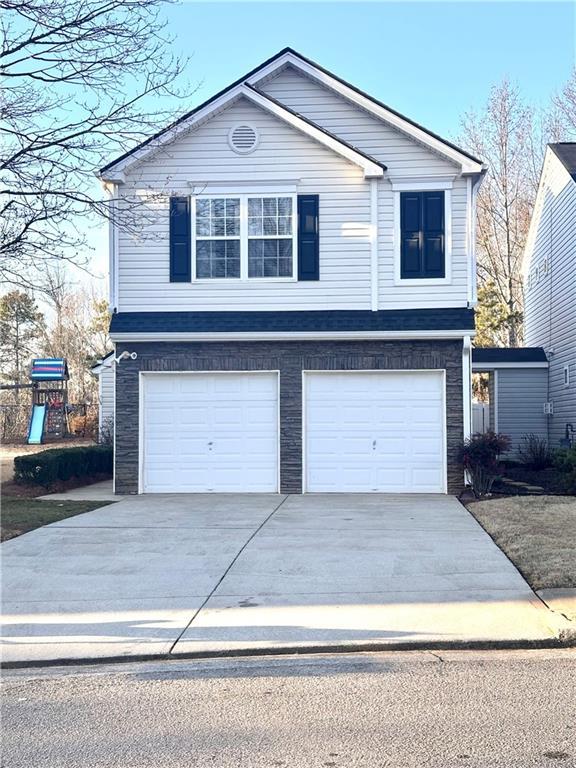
[284, 158]
[106, 396]
[550, 299]
[404, 157]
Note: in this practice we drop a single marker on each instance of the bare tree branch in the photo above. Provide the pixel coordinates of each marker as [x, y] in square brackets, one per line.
[111, 83]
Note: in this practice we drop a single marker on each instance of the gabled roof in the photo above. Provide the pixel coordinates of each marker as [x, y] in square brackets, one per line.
[246, 85]
[565, 151]
[372, 168]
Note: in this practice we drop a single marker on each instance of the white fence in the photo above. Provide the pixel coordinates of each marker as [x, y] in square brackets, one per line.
[480, 417]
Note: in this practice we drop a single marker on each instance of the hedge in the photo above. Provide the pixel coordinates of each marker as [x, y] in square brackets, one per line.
[48, 467]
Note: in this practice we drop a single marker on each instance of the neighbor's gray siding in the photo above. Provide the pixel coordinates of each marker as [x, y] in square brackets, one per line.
[290, 358]
[521, 393]
[550, 288]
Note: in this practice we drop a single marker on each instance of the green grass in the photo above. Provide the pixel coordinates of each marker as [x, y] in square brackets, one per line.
[22, 515]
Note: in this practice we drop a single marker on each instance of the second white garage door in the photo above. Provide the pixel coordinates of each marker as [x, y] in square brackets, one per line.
[205, 432]
[375, 431]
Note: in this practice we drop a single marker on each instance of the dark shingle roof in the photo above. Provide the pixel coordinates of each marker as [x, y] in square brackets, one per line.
[565, 151]
[509, 355]
[449, 319]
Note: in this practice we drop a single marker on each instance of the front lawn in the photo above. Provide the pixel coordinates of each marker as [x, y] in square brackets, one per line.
[538, 533]
[23, 515]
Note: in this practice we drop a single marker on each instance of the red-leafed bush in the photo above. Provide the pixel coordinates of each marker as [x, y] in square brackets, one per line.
[479, 456]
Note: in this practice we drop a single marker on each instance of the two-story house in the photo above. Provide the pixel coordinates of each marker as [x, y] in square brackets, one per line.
[550, 287]
[296, 312]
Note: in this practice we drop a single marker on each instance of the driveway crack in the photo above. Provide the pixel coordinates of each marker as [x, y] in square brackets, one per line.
[227, 571]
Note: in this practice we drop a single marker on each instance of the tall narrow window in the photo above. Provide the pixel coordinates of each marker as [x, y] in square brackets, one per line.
[270, 237]
[218, 237]
[422, 228]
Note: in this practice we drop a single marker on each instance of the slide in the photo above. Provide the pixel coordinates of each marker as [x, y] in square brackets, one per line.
[36, 425]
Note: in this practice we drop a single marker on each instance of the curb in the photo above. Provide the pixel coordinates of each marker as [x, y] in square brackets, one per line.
[566, 638]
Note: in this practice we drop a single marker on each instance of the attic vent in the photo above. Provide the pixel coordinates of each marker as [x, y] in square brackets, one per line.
[243, 139]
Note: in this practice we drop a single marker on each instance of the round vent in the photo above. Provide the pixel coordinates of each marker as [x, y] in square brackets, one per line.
[243, 138]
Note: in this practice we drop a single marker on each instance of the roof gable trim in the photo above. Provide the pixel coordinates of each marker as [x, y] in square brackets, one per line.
[468, 163]
[114, 172]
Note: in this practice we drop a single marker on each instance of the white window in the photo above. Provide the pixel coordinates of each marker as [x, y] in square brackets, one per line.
[218, 237]
[566, 375]
[247, 236]
[270, 236]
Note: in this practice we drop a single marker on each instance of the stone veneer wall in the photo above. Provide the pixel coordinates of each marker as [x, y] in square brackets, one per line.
[290, 358]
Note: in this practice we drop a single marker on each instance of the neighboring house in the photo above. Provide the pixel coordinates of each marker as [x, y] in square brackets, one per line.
[550, 286]
[300, 298]
[517, 392]
[104, 369]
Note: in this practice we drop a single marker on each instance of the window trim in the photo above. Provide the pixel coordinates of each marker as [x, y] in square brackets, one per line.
[244, 237]
[423, 186]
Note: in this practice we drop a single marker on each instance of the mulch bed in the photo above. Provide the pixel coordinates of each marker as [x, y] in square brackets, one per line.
[550, 480]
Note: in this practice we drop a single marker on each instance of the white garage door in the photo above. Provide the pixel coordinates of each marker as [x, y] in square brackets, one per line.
[375, 431]
[210, 432]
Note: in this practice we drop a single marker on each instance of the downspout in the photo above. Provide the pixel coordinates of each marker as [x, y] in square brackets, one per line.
[473, 198]
[112, 191]
[467, 392]
[374, 288]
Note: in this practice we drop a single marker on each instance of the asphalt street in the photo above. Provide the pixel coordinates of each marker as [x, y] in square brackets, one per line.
[514, 709]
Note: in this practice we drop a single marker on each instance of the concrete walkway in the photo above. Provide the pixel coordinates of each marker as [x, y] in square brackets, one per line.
[102, 491]
[153, 575]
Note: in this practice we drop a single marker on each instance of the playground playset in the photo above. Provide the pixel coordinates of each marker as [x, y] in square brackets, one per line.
[48, 420]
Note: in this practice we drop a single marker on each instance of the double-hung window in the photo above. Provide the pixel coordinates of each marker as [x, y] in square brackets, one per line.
[245, 236]
[218, 237]
[422, 235]
[270, 237]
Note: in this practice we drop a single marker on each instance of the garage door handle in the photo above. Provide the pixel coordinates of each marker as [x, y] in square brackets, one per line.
[373, 445]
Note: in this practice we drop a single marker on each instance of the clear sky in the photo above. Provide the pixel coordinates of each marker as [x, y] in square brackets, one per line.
[432, 61]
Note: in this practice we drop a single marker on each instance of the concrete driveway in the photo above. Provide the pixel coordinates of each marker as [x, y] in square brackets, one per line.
[153, 575]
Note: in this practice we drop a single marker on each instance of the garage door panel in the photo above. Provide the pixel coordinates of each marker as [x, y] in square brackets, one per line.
[374, 431]
[210, 432]
[426, 447]
[354, 479]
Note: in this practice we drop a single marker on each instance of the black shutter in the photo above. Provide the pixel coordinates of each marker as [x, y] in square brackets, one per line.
[422, 235]
[308, 238]
[433, 234]
[180, 246]
[411, 228]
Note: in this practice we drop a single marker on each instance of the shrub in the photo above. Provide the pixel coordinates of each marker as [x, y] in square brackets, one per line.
[534, 452]
[479, 457]
[57, 464]
[564, 461]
